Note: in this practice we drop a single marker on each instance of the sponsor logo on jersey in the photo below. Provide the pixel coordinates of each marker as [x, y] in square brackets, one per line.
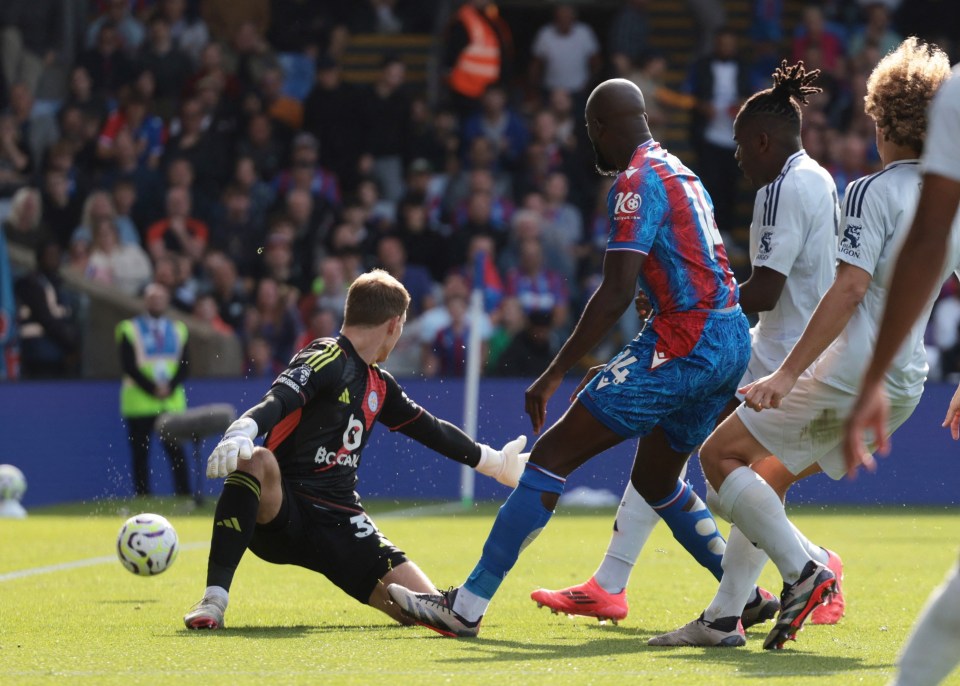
[329, 458]
[850, 245]
[288, 382]
[766, 245]
[627, 204]
[373, 401]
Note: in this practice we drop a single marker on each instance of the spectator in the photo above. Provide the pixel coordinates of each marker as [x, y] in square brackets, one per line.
[272, 319]
[392, 257]
[511, 320]
[321, 323]
[124, 196]
[226, 289]
[23, 226]
[189, 33]
[169, 272]
[262, 147]
[649, 74]
[720, 84]
[477, 52]
[529, 352]
[538, 288]
[125, 266]
[385, 110]
[282, 108]
[850, 162]
[877, 32]
[46, 319]
[330, 115]
[237, 233]
[60, 211]
[80, 94]
[131, 31]
[108, 66]
[247, 180]
[330, 287]
[205, 309]
[178, 233]
[31, 38]
[99, 206]
[198, 145]
[260, 362]
[170, 65]
[248, 55]
[305, 160]
[814, 30]
[15, 161]
[224, 17]
[153, 356]
[563, 225]
[566, 54]
[501, 126]
[447, 355]
[708, 18]
[145, 128]
[277, 261]
[422, 242]
[629, 36]
[37, 129]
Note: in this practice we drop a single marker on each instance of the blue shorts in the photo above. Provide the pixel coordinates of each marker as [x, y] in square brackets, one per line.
[678, 374]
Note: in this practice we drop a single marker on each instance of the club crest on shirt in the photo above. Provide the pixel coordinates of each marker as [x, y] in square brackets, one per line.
[766, 245]
[373, 402]
[850, 245]
[627, 203]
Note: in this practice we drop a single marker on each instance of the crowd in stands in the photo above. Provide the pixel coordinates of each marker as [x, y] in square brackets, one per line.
[215, 147]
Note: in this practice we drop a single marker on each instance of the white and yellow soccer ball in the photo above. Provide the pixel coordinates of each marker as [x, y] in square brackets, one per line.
[12, 483]
[147, 544]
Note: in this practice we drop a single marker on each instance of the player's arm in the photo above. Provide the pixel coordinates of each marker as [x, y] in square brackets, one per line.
[761, 292]
[314, 369]
[615, 293]
[402, 414]
[828, 321]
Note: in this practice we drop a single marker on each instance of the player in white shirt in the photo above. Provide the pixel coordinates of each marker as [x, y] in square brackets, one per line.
[802, 405]
[793, 238]
[930, 653]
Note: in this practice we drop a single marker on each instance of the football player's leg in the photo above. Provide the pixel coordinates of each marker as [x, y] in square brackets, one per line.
[407, 574]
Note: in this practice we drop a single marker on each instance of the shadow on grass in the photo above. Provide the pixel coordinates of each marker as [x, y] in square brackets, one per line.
[749, 661]
[127, 601]
[281, 631]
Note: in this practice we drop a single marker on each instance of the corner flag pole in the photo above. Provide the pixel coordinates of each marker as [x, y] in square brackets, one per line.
[471, 393]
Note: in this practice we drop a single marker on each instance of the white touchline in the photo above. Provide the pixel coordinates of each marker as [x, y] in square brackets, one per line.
[426, 510]
[89, 562]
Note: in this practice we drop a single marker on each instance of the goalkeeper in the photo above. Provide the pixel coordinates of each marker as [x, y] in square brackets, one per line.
[293, 501]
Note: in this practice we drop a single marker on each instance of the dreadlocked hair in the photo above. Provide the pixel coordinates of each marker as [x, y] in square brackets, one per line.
[791, 88]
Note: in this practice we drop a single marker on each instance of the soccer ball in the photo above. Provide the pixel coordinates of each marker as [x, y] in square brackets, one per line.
[147, 544]
[12, 483]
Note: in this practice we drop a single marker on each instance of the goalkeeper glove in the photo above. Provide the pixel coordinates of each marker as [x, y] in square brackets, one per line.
[236, 442]
[505, 465]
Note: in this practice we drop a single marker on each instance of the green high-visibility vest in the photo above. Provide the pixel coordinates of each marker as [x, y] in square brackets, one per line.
[158, 347]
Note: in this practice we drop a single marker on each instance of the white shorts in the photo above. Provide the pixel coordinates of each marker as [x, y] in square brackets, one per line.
[807, 428]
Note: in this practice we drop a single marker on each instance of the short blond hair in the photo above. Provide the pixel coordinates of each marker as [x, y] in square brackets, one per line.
[900, 88]
[374, 298]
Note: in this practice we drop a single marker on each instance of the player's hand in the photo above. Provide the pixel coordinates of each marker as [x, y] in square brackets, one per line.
[767, 392]
[537, 395]
[870, 412]
[237, 442]
[642, 303]
[505, 465]
[587, 378]
[953, 415]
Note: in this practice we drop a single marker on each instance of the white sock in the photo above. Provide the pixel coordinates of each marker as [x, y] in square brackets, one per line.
[469, 605]
[813, 550]
[930, 652]
[631, 529]
[756, 509]
[217, 592]
[742, 564]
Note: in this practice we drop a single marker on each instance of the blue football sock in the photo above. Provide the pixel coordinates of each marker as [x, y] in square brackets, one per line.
[693, 526]
[519, 521]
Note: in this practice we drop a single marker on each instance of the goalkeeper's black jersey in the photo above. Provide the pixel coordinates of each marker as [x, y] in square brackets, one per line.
[332, 398]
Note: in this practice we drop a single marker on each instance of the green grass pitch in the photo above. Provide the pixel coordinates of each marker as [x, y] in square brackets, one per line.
[99, 624]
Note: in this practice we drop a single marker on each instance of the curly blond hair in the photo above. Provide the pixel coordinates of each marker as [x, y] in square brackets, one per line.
[900, 88]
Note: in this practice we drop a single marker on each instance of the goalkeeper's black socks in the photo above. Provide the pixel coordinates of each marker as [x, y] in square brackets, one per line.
[233, 523]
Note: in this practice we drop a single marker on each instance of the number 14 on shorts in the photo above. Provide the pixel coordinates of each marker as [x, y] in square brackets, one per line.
[618, 368]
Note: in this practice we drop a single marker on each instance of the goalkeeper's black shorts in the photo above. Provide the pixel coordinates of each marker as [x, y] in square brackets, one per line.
[347, 548]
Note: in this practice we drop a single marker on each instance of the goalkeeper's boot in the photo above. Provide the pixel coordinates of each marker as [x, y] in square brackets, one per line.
[815, 585]
[762, 608]
[588, 599]
[725, 632]
[434, 611]
[207, 614]
[833, 607]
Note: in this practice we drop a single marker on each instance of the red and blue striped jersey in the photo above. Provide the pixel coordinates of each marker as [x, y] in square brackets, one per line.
[657, 206]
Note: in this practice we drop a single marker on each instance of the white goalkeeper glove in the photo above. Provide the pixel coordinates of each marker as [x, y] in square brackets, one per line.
[236, 442]
[505, 465]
